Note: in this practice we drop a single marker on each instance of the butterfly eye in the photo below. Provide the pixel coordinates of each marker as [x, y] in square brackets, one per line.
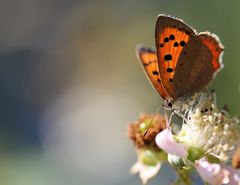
[169, 103]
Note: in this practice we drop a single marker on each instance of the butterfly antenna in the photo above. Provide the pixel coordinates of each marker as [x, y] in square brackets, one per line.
[149, 125]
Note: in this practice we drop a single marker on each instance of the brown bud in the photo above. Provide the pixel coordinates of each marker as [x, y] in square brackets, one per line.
[236, 159]
[143, 139]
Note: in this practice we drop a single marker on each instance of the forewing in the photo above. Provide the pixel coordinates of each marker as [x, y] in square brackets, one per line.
[171, 36]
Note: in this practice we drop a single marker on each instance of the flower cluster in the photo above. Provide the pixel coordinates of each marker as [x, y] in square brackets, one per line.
[206, 142]
[150, 157]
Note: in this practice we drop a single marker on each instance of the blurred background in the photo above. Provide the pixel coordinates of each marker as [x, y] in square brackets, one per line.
[70, 83]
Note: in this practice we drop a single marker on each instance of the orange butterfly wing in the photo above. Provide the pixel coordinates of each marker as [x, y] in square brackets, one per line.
[214, 45]
[148, 58]
[184, 62]
[171, 35]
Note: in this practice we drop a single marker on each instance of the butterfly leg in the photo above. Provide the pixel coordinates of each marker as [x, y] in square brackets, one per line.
[169, 117]
[185, 116]
[213, 97]
[182, 113]
[225, 109]
[166, 117]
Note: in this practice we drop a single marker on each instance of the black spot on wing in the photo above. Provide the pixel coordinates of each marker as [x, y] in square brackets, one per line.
[168, 57]
[155, 73]
[182, 43]
[171, 37]
[169, 70]
[175, 44]
[166, 39]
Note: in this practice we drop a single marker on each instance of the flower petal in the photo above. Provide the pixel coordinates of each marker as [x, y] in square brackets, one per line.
[212, 173]
[145, 172]
[234, 176]
[166, 142]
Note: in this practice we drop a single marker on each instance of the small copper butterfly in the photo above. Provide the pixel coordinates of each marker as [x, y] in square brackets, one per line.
[184, 61]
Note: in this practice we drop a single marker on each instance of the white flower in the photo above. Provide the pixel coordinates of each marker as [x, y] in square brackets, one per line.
[206, 134]
[209, 130]
[147, 166]
[145, 172]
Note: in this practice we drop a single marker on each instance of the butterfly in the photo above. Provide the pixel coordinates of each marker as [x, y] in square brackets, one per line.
[184, 62]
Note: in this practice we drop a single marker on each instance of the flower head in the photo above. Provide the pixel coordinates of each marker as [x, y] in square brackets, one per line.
[210, 131]
[205, 141]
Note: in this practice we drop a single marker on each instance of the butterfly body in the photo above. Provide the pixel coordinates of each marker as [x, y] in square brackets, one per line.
[184, 61]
